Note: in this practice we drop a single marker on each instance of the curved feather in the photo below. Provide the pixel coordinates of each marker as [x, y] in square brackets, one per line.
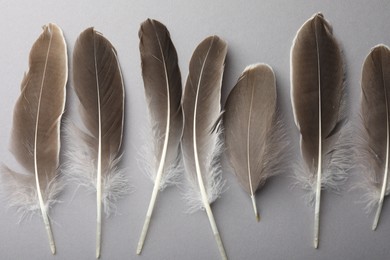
[375, 126]
[253, 137]
[162, 81]
[99, 86]
[317, 93]
[35, 140]
[202, 109]
[201, 142]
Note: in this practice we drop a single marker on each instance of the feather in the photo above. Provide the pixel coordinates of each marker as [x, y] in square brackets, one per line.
[163, 90]
[317, 93]
[254, 138]
[201, 142]
[374, 130]
[35, 140]
[99, 86]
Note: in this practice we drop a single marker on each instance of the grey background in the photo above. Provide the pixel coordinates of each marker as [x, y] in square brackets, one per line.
[256, 31]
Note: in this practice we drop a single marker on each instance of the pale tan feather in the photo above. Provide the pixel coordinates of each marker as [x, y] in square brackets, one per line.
[250, 124]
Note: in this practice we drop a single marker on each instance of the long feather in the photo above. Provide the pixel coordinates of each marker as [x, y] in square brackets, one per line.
[374, 135]
[99, 86]
[163, 90]
[35, 140]
[201, 143]
[317, 91]
[254, 138]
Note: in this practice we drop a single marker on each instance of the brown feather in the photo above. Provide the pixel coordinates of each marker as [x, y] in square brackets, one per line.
[201, 142]
[35, 140]
[317, 94]
[43, 92]
[317, 71]
[253, 138]
[201, 105]
[162, 81]
[97, 76]
[99, 86]
[374, 135]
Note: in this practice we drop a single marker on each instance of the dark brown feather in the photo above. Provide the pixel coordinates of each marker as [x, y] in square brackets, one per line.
[201, 106]
[97, 76]
[317, 75]
[163, 89]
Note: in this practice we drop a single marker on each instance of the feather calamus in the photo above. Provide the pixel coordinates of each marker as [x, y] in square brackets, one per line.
[317, 93]
[99, 86]
[201, 142]
[35, 140]
[375, 128]
[254, 138]
[162, 81]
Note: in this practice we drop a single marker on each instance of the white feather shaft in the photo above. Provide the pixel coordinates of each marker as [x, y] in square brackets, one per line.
[319, 166]
[99, 167]
[158, 178]
[248, 158]
[41, 202]
[200, 179]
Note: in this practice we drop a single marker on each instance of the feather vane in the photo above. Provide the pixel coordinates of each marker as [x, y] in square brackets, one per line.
[375, 128]
[35, 140]
[317, 93]
[201, 142]
[254, 138]
[163, 90]
[99, 86]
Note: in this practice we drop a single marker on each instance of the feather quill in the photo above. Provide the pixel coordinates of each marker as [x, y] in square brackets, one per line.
[201, 142]
[162, 81]
[35, 140]
[254, 138]
[374, 135]
[317, 91]
[99, 86]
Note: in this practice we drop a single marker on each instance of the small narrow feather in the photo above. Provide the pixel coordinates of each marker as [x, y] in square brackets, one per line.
[373, 153]
[317, 93]
[99, 86]
[254, 138]
[201, 143]
[162, 81]
[35, 140]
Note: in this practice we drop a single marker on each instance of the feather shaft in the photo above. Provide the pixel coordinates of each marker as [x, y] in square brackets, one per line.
[201, 184]
[41, 202]
[99, 162]
[385, 176]
[319, 167]
[253, 198]
[203, 192]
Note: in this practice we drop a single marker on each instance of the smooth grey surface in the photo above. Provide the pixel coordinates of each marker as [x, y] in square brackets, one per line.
[256, 31]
